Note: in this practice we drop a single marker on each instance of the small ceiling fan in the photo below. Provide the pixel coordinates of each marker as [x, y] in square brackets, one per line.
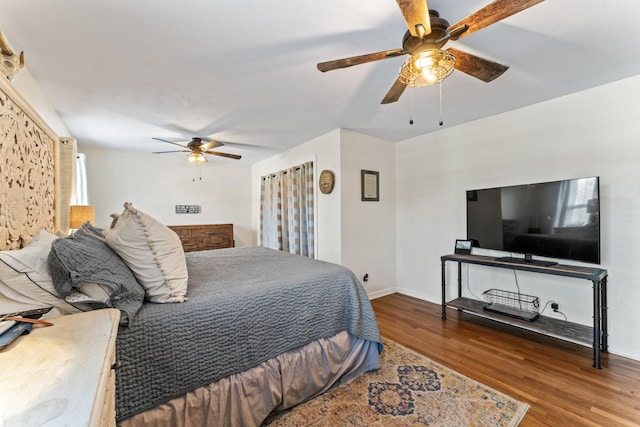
[197, 149]
[428, 63]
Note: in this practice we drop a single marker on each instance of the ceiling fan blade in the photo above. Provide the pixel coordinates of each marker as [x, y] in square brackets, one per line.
[361, 59]
[416, 13]
[217, 153]
[176, 151]
[490, 14]
[394, 93]
[480, 68]
[170, 142]
[211, 144]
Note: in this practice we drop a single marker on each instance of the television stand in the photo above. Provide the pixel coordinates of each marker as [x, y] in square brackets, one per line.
[527, 260]
[595, 337]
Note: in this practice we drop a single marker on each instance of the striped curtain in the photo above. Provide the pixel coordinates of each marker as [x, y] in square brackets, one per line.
[287, 212]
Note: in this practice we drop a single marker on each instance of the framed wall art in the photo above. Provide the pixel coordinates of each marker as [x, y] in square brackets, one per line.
[370, 185]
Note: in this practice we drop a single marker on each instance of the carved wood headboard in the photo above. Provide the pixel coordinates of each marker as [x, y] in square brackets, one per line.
[29, 182]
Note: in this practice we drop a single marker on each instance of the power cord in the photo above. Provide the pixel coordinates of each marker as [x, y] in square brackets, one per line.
[554, 305]
[555, 310]
[515, 277]
[468, 286]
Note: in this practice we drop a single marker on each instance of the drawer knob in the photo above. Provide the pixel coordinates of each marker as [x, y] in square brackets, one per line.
[117, 365]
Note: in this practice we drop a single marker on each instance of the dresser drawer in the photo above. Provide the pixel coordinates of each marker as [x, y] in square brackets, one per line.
[204, 237]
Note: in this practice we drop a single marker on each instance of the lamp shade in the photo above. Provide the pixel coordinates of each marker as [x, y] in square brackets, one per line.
[80, 214]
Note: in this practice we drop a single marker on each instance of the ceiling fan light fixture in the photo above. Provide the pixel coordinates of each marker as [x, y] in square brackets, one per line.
[427, 67]
[196, 158]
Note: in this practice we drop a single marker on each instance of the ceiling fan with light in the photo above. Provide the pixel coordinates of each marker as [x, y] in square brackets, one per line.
[197, 149]
[428, 63]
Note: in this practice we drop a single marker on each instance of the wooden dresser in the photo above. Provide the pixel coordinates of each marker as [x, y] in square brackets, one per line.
[204, 237]
[62, 374]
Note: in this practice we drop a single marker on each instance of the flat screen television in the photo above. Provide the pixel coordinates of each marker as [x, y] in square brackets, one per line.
[559, 219]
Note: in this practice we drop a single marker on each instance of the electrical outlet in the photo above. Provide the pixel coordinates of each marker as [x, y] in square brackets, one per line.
[555, 306]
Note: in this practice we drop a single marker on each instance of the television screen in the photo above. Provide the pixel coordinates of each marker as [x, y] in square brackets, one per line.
[558, 219]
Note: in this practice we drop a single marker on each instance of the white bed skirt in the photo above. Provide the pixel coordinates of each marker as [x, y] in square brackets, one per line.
[247, 398]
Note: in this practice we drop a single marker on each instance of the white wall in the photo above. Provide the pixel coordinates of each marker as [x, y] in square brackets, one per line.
[324, 151]
[590, 133]
[368, 228]
[156, 183]
[30, 90]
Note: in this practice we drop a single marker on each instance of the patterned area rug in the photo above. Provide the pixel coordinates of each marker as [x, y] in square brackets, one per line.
[408, 389]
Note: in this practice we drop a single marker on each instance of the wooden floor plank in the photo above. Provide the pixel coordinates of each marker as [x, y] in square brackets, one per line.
[555, 377]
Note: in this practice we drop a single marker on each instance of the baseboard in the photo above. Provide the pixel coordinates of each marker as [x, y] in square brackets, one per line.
[381, 293]
[426, 297]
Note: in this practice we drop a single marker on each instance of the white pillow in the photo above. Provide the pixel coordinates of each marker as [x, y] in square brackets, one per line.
[25, 282]
[153, 252]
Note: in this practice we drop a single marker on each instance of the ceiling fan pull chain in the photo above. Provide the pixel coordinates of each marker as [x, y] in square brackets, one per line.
[199, 170]
[410, 106]
[441, 122]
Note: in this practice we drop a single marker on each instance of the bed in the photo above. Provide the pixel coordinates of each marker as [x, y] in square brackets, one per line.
[287, 326]
[249, 331]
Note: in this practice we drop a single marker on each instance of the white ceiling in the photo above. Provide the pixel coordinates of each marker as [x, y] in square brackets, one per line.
[120, 72]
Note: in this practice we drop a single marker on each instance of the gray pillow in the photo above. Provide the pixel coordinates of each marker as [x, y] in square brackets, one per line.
[84, 258]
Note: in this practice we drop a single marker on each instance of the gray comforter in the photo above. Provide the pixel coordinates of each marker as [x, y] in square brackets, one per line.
[246, 305]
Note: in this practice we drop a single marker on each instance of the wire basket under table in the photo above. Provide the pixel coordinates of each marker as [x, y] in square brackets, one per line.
[513, 304]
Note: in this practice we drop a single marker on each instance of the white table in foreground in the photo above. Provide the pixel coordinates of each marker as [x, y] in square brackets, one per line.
[61, 375]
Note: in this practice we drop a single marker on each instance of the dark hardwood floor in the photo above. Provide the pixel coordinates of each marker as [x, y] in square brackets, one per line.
[553, 376]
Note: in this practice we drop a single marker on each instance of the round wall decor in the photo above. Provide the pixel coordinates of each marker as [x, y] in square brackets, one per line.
[326, 181]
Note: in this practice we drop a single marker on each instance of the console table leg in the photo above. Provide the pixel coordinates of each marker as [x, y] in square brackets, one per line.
[597, 328]
[444, 293]
[604, 315]
[459, 279]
